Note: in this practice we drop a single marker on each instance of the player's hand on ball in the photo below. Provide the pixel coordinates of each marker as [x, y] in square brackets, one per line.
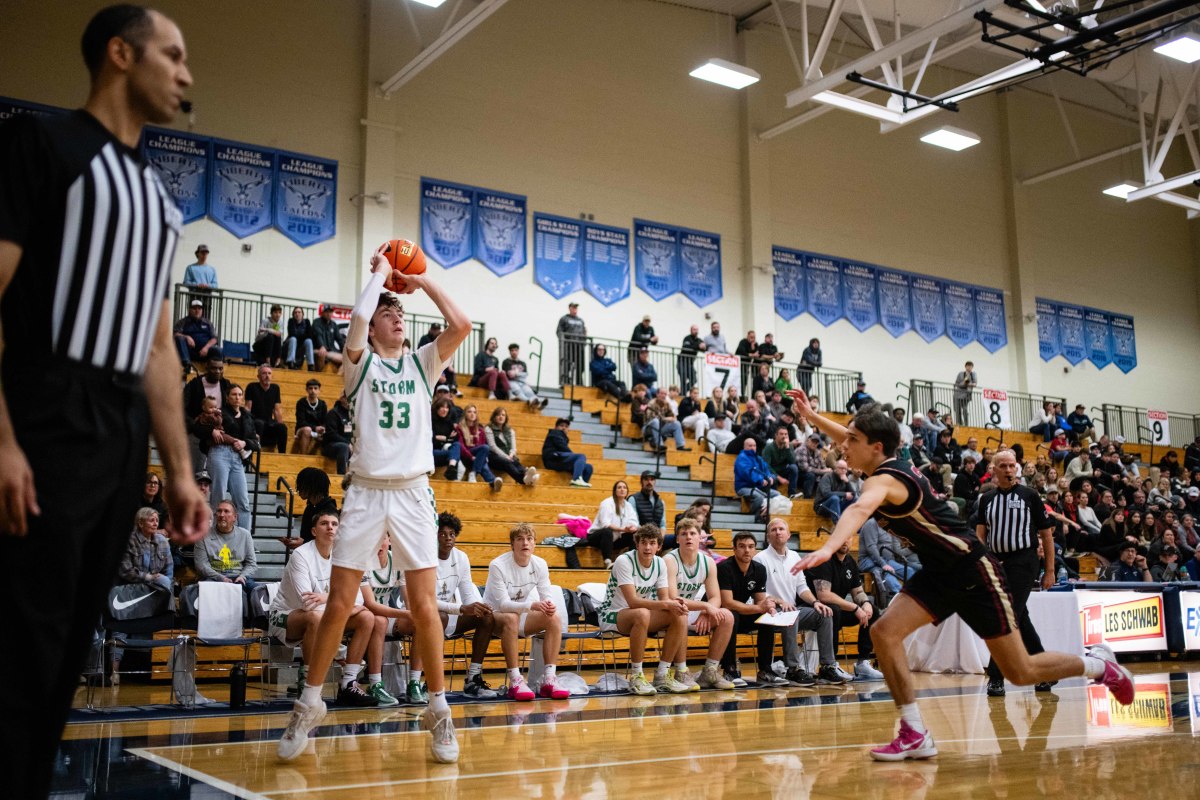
[379, 262]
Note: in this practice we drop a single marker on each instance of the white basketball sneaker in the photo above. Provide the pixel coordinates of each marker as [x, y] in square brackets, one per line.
[295, 737]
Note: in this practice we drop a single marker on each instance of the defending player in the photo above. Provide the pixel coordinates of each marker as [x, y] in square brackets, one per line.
[389, 490]
[959, 577]
[692, 578]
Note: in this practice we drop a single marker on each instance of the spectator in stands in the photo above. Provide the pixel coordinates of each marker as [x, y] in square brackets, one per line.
[644, 372]
[784, 381]
[715, 342]
[487, 374]
[196, 337]
[834, 492]
[227, 457]
[781, 458]
[557, 455]
[743, 583]
[966, 484]
[1187, 537]
[147, 561]
[859, 399]
[964, 387]
[1131, 568]
[572, 335]
[838, 584]
[517, 372]
[1080, 466]
[639, 401]
[753, 424]
[209, 428]
[1044, 422]
[762, 380]
[692, 346]
[265, 405]
[1169, 465]
[719, 436]
[768, 352]
[1080, 424]
[754, 480]
[1087, 519]
[810, 462]
[604, 374]
[448, 378]
[1191, 456]
[502, 449]
[650, 509]
[972, 450]
[474, 448]
[616, 521]
[747, 352]
[518, 584]
[906, 433]
[312, 486]
[692, 578]
[810, 361]
[1168, 569]
[791, 592]
[733, 404]
[298, 606]
[310, 419]
[299, 334]
[446, 448]
[661, 422]
[227, 552]
[1060, 448]
[642, 337]
[328, 339]
[949, 452]
[339, 431]
[882, 550]
[201, 274]
[268, 342]
[691, 413]
[152, 497]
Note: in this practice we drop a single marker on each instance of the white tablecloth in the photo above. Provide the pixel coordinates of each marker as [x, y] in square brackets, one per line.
[953, 647]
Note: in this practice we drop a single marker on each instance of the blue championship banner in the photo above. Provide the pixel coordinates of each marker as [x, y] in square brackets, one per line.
[991, 326]
[929, 315]
[557, 254]
[1099, 342]
[11, 107]
[823, 282]
[1124, 345]
[1071, 334]
[789, 282]
[657, 258]
[606, 263]
[960, 313]
[242, 187]
[306, 198]
[500, 231]
[446, 214]
[1049, 345]
[858, 286]
[182, 162]
[700, 266]
[895, 301]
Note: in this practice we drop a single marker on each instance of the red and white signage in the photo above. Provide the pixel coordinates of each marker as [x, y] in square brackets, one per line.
[1128, 622]
[1160, 427]
[995, 408]
[721, 370]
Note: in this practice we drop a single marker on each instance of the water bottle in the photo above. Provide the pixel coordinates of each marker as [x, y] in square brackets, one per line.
[237, 686]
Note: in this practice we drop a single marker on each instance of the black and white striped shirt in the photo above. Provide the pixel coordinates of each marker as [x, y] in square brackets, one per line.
[1012, 518]
[97, 231]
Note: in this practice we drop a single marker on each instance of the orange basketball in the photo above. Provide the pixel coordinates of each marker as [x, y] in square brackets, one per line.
[406, 258]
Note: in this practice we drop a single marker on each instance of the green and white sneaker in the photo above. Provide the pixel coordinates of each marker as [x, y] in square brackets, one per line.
[382, 695]
[667, 684]
[639, 685]
[417, 694]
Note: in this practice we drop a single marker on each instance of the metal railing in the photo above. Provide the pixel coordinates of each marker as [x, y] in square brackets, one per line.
[1022, 407]
[834, 386]
[1126, 420]
[237, 315]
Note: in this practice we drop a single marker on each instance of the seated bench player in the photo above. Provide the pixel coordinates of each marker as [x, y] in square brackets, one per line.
[380, 582]
[300, 603]
[518, 584]
[692, 577]
[638, 602]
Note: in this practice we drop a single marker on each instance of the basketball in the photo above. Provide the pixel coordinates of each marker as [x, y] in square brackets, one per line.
[406, 258]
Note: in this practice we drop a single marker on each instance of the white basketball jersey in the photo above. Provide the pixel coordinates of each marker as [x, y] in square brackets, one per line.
[691, 585]
[391, 401]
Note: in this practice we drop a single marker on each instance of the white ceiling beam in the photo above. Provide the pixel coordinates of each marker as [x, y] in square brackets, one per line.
[1190, 203]
[1169, 184]
[831, 23]
[787, 39]
[889, 77]
[1164, 148]
[443, 43]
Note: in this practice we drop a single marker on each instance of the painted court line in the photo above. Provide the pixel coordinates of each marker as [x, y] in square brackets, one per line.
[197, 775]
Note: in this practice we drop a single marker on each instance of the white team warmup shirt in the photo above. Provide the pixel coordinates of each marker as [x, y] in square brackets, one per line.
[781, 582]
[306, 571]
[454, 587]
[512, 588]
[626, 570]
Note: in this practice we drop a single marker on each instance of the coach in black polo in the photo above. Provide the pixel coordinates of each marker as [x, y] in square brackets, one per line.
[87, 236]
[1010, 520]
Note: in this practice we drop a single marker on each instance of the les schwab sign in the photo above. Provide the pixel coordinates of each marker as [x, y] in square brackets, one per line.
[1128, 622]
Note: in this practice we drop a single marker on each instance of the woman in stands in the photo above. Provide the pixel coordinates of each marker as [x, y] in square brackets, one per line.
[784, 381]
[473, 440]
[147, 560]
[604, 374]
[447, 449]
[615, 523]
[487, 373]
[502, 449]
[298, 330]
[733, 403]
[152, 497]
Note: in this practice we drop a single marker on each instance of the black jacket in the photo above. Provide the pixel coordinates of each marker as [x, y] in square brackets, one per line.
[650, 509]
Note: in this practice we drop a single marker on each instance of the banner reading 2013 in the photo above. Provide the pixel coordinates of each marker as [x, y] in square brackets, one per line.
[306, 198]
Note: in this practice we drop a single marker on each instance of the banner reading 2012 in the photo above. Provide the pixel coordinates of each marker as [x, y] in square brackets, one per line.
[242, 188]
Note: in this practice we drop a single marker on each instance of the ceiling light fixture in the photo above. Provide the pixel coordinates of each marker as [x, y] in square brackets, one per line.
[1184, 48]
[430, 3]
[955, 139]
[726, 73]
[1121, 190]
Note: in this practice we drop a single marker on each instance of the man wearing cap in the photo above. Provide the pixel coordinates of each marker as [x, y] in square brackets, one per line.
[572, 335]
[1168, 568]
[859, 399]
[1130, 568]
[649, 505]
[811, 464]
[1081, 425]
[691, 347]
[644, 372]
[196, 337]
[201, 274]
[642, 337]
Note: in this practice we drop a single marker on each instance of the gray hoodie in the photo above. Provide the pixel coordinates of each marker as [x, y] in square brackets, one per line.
[226, 555]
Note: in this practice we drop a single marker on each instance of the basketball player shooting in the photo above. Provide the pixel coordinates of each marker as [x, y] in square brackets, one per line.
[959, 577]
[390, 394]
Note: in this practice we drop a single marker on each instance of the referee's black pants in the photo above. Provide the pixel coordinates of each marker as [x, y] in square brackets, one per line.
[1021, 570]
[85, 437]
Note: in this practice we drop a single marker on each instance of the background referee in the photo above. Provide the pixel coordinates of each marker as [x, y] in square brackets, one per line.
[1006, 521]
[87, 236]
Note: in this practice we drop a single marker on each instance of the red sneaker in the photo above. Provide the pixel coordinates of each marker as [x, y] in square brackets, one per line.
[907, 744]
[554, 692]
[520, 691]
[1118, 679]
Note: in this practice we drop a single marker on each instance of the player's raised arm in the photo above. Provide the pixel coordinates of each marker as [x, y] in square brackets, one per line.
[364, 308]
[827, 426]
[874, 494]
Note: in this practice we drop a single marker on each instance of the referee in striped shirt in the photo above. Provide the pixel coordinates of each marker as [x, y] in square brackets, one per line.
[1010, 520]
[87, 236]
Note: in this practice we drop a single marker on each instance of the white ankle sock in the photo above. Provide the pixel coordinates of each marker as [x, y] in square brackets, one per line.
[311, 695]
[438, 704]
[350, 673]
[415, 675]
[551, 671]
[375, 677]
[514, 675]
[912, 715]
[1093, 667]
[635, 668]
[661, 671]
[681, 668]
[711, 663]
[474, 670]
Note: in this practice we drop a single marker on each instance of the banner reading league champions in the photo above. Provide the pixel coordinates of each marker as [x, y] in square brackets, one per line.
[789, 282]
[242, 188]
[306, 198]
[446, 211]
[182, 162]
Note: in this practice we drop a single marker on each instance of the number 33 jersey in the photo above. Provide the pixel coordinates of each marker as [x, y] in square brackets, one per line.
[390, 400]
